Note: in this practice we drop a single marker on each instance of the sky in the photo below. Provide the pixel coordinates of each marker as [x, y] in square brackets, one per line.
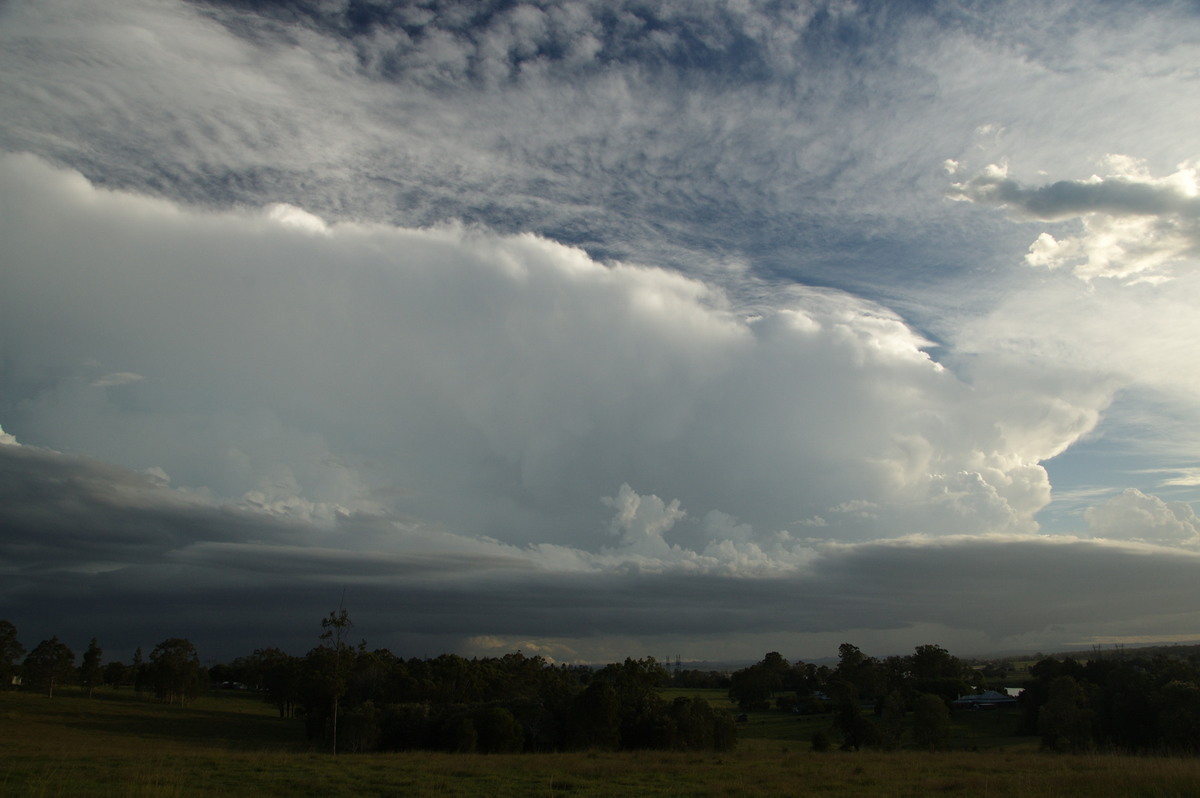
[600, 329]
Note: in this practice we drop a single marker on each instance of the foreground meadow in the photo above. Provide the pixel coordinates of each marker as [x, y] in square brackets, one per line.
[231, 745]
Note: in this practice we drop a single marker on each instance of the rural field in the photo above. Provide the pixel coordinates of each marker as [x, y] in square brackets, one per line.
[231, 744]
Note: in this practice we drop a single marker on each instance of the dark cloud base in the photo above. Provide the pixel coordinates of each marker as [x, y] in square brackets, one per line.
[63, 517]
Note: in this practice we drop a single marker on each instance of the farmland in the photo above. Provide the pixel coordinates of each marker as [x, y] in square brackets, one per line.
[233, 744]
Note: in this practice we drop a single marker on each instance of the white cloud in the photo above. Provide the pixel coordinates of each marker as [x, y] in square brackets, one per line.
[1133, 224]
[1185, 477]
[314, 279]
[640, 521]
[1133, 515]
[495, 384]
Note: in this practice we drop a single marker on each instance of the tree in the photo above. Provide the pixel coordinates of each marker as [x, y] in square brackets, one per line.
[860, 671]
[1065, 721]
[140, 671]
[891, 720]
[934, 670]
[277, 674]
[335, 628]
[117, 674]
[931, 721]
[91, 671]
[50, 663]
[497, 731]
[752, 688]
[10, 651]
[594, 720]
[858, 731]
[175, 671]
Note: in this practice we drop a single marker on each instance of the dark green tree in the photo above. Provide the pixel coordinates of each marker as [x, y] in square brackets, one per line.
[858, 730]
[140, 671]
[754, 687]
[466, 738]
[11, 652]
[750, 688]
[1065, 721]
[891, 721]
[49, 664]
[860, 671]
[175, 671]
[91, 670]
[498, 730]
[116, 674]
[934, 670]
[594, 720]
[931, 721]
[1178, 716]
[277, 675]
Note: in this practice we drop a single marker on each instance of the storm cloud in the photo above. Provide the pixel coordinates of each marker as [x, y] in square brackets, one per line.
[594, 328]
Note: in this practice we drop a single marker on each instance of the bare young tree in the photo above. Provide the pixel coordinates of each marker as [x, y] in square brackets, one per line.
[335, 628]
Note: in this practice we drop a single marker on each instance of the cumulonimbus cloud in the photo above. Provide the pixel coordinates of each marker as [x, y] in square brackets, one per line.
[501, 385]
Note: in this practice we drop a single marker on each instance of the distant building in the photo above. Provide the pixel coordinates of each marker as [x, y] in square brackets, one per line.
[987, 700]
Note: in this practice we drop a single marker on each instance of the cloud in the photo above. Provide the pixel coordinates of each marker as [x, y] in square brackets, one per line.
[409, 294]
[1185, 477]
[713, 139]
[118, 378]
[144, 560]
[496, 384]
[435, 417]
[1133, 224]
[6, 439]
[640, 521]
[1133, 515]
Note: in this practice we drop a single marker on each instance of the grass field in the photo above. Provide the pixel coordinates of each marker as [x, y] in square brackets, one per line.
[230, 744]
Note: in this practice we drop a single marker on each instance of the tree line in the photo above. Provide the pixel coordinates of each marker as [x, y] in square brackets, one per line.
[867, 697]
[1132, 702]
[1144, 702]
[352, 698]
[172, 673]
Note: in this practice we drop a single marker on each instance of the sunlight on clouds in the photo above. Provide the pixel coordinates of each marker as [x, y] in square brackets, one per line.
[545, 377]
[640, 521]
[1187, 477]
[1134, 225]
[291, 216]
[1133, 515]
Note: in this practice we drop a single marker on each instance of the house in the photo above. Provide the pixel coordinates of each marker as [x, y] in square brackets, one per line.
[986, 700]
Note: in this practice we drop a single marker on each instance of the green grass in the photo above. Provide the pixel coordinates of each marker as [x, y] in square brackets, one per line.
[232, 745]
